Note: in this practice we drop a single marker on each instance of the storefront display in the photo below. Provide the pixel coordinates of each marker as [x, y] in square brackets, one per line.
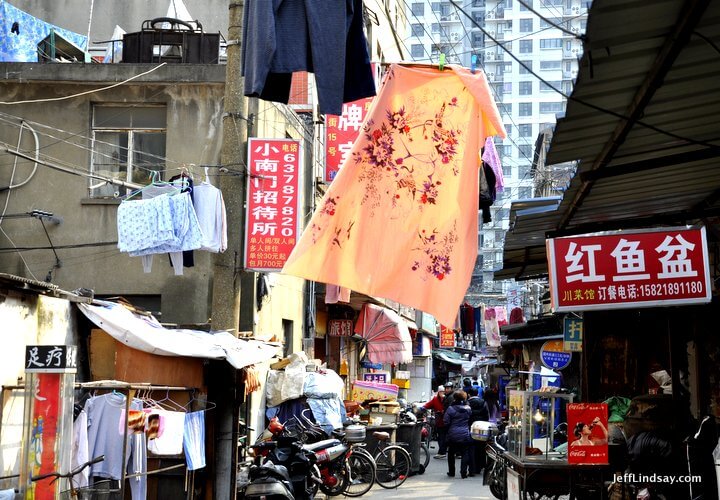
[534, 425]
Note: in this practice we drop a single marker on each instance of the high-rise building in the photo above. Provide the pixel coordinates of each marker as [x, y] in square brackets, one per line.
[530, 89]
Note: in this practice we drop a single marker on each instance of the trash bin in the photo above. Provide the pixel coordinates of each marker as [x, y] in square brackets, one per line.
[408, 435]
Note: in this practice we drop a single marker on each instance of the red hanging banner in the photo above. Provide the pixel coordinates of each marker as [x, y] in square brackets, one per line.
[273, 203]
[341, 132]
[622, 269]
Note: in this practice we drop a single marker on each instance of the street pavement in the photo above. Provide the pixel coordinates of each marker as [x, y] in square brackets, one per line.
[435, 484]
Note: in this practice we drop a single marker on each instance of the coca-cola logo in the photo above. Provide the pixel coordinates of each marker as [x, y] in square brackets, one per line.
[577, 453]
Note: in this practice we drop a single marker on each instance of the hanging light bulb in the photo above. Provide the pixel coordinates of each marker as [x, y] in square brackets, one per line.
[538, 417]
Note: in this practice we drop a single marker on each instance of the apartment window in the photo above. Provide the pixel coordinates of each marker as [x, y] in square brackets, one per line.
[478, 40]
[508, 129]
[499, 236]
[525, 130]
[478, 3]
[501, 214]
[526, 46]
[526, 2]
[416, 50]
[418, 9]
[417, 30]
[507, 87]
[507, 170]
[503, 151]
[435, 27]
[551, 43]
[524, 170]
[128, 144]
[507, 4]
[526, 25]
[504, 68]
[551, 3]
[525, 152]
[526, 88]
[525, 192]
[548, 65]
[528, 64]
[568, 45]
[568, 66]
[551, 107]
[544, 87]
[525, 109]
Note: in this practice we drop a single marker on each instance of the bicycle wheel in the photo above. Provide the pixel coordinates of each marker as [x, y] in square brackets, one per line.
[393, 466]
[361, 473]
[423, 458]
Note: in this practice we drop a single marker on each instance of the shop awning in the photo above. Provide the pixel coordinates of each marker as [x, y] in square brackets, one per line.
[386, 335]
[145, 333]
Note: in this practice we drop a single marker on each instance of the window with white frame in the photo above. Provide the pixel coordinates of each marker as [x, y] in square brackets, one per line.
[128, 144]
[551, 43]
[548, 87]
[528, 66]
[551, 107]
[417, 29]
[418, 9]
[546, 65]
[525, 88]
[526, 46]
[417, 50]
[525, 109]
[526, 25]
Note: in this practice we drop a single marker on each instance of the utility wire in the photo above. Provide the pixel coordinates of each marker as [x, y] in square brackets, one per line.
[101, 89]
[582, 101]
[581, 37]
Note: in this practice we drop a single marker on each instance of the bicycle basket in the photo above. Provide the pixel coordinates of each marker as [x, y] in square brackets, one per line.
[101, 490]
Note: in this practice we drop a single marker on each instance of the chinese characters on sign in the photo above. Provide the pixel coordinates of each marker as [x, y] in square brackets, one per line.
[572, 334]
[447, 337]
[50, 358]
[341, 134]
[375, 377]
[629, 269]
[554, 356]
[272, 203]
[340, 327]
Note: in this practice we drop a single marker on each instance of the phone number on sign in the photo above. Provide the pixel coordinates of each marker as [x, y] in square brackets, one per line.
[681, 288]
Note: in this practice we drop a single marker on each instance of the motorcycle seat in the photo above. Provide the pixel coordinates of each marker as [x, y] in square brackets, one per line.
[381, 436]
[325, 443]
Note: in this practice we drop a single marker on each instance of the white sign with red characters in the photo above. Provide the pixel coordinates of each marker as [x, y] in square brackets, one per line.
[622, 269]
[273, 203]
[341, 134]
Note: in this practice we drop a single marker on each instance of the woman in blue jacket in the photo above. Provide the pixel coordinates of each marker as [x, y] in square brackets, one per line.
[457, 422]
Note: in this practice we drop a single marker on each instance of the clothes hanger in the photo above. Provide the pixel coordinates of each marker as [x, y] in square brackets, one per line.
[171, 404]
[154, 181]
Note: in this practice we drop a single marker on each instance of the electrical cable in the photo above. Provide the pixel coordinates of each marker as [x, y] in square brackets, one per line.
[582, 101]
[580, 37]
[101, 89]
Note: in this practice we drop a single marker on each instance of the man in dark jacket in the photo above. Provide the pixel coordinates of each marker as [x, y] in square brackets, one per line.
[479, 411]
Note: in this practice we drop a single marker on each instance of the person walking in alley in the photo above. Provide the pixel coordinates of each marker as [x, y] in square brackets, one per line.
[457, 421]
[436, 405]
[479, 411]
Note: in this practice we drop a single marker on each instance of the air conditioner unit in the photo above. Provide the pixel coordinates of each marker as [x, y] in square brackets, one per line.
[489, 15]
[455, 37]
[492, 33]
[576, 10]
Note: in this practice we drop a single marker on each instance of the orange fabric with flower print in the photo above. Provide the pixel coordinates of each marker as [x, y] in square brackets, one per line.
[400, 220]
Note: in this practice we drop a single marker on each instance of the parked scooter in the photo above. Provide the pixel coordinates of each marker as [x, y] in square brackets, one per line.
[267, 480]
[496, 464]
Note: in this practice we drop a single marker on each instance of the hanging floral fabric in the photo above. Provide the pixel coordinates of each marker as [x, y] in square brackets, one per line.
[400, 220]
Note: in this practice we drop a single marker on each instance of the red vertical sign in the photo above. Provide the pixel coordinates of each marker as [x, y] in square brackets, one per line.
[43, 435]
[587, 433]
[341, 134]
[447, 337]
[273, 203]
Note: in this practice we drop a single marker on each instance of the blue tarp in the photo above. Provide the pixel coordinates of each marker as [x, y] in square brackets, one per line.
[21, 33]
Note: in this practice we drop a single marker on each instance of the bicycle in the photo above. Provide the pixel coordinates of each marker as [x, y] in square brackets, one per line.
[80, 493]
[392, 462]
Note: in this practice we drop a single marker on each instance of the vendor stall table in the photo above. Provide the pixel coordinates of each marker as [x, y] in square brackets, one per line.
[553, 480]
